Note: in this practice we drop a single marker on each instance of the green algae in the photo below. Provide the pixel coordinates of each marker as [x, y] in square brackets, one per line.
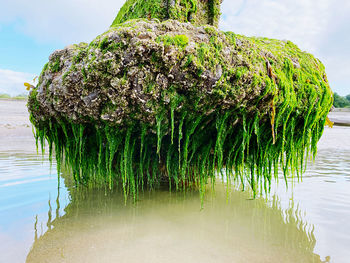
[55, 67]
[178, 40]
[108, 155]
[198, 12]
[265, 112]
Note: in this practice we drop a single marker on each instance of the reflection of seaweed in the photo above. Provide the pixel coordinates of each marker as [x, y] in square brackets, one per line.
[242, 222]
[58, 203]
[292, 217]
[49, 216]
[36, 229]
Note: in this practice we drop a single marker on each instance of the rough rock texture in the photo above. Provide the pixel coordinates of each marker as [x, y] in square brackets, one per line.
[148, 100]
[135, 71]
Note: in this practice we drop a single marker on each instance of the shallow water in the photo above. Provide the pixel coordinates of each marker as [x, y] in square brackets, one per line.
[308, 222]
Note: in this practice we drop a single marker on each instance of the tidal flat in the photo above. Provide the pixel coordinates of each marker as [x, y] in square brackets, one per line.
[43, 221]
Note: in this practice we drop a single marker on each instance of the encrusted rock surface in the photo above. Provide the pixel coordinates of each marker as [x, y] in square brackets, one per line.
[135, 71]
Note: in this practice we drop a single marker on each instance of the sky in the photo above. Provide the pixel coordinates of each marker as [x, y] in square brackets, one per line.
[31, 30]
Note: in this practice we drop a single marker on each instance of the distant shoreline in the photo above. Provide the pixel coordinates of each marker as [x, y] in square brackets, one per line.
[340, 116]
[341, 110]
[14, 98]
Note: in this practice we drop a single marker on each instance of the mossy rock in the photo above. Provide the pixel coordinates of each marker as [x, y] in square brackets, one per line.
[151, 101]
[198, 12]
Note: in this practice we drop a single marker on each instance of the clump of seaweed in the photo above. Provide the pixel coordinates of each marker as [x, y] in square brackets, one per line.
[150, 102]
[198, 12]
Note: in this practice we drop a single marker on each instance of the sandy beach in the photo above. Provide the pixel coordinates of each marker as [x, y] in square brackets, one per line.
[340, 117]
[15, 127]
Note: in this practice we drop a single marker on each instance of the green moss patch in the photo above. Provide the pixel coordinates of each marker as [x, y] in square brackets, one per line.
[198, 12]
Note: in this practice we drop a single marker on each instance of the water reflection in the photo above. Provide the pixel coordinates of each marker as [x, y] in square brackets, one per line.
[94, 226]
[169, 227]
[97, 227]
[25, 187]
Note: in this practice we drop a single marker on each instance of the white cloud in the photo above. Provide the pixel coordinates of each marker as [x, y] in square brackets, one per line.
[11, 82]
[320, 27]
[73, 21]
[303, 21]
[67, 21]
[335, 48]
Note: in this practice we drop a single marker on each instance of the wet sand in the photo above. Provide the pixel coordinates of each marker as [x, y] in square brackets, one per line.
[15, 128]
[340, 117]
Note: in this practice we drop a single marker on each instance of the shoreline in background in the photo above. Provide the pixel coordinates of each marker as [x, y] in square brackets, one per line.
[8, 97]
[340, 117]
[14, 117]
[341, 110]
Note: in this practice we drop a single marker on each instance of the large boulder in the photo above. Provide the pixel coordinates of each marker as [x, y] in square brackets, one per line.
[149, 101]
